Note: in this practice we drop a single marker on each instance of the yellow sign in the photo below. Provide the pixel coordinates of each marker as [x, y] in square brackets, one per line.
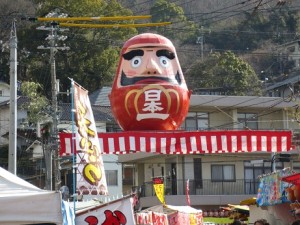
[158, 184]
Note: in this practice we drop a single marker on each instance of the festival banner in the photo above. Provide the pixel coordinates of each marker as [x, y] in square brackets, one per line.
[271, 189]
[116, 212]
[159, 218]
[183, 218]
[144, 218]
[187, 192]
[90, 172]
[159, 187]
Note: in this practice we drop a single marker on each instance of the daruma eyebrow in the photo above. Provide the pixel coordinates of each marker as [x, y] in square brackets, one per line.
[166, 53]
[130, 55]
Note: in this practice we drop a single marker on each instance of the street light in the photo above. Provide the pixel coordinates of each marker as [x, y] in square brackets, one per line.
[282, 157]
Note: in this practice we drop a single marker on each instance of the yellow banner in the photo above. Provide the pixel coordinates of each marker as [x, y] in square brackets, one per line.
[159, 187]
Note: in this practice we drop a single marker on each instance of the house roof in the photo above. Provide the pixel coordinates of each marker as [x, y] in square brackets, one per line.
[289, 43]
[100, 97]
[101, 104]
[20, 101]
[4, 84]
[101, 113]
[291, 80]
[238, 101]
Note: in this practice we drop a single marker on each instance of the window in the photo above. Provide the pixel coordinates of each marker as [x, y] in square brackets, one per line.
[128, 174]
[296, 166]
[222, 172]
[248, 120]
[1, 93]
[111, 177]
[196, 121]
[198, 172]
[253, 170]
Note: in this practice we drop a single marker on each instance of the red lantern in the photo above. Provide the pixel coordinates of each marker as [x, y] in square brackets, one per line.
[149, 91]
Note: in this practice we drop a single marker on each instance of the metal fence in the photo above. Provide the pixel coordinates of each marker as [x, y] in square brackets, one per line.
[203, 187]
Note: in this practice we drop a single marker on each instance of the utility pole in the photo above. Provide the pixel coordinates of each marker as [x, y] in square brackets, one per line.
[200, 41]
[53, 149]
[12, 152]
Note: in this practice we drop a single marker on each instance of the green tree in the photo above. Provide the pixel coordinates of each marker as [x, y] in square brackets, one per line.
[165, 11]
[11, 11]
[94, 52]
[37, 102]
[226, 71]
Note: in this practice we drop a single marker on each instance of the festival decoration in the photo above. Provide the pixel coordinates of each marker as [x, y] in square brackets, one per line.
[117, 212]
[187, 192]
[271, 189]
[90, 169]
[159, 187]
[188, 142]
[170, 215]
[149, 90]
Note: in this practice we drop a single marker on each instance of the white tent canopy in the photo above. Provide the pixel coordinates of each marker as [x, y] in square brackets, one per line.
[24, 203]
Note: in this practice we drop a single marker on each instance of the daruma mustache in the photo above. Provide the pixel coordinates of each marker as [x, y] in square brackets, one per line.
[125, 81]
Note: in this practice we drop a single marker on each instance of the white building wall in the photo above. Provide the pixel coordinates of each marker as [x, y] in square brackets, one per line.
[4, 89]
[4, 125]
[219, 118]
[189, 167]
[4, 113]
[110, 162]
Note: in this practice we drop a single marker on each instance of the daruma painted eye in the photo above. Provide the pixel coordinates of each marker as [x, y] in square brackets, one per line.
[149, 90]
[136, 62]
[164, 61]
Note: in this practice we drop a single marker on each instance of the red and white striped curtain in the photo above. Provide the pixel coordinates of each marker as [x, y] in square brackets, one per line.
[184, 142]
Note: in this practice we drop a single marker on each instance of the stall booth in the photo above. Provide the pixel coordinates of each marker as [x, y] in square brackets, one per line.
[24, 203]
[169, 215]
[278, 198]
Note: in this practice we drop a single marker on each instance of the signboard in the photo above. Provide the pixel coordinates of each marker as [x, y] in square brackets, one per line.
[118, 212]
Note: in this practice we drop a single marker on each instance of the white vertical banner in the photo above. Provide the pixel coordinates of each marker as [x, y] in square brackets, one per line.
[116, 212]
[90, 176]
[187, 192]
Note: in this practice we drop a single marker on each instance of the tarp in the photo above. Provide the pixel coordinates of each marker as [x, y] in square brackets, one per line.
[24, 203]
[185, 142]
[248, 201]
[293, 179]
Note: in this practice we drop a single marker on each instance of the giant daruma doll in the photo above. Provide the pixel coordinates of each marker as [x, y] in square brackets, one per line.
[149, 91]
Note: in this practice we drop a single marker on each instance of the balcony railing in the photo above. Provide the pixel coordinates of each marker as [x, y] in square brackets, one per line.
[204, 187]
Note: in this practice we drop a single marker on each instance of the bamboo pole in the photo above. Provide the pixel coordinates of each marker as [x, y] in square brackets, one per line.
[99, 18]
[113, 25]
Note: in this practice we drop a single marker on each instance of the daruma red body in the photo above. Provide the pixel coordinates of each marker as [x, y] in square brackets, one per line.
[149, 90]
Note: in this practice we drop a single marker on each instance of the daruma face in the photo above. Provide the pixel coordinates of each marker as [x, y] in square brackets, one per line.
[149, 91]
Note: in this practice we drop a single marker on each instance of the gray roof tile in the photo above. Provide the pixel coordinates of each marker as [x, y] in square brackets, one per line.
[101, 113]
[100, 97]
